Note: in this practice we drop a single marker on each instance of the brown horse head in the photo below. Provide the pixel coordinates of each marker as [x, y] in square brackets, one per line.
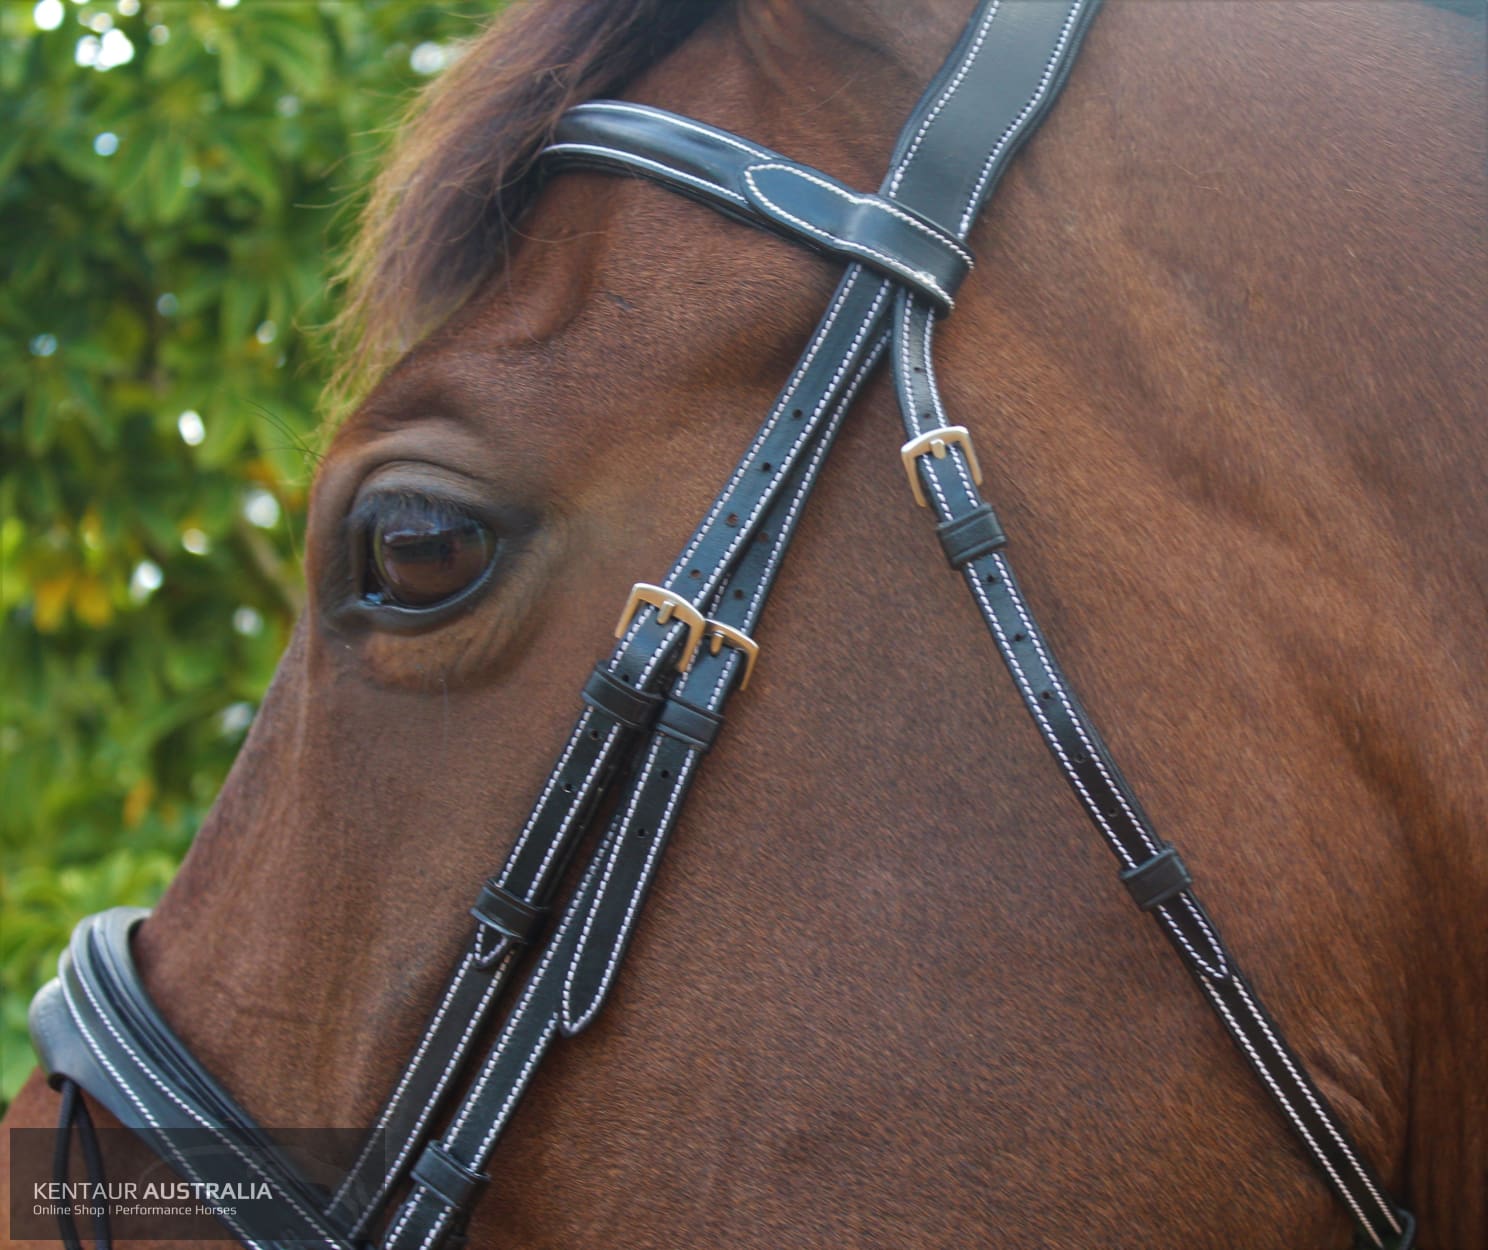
[1220, 352]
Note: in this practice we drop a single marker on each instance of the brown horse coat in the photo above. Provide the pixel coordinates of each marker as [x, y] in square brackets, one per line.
[1223, 356]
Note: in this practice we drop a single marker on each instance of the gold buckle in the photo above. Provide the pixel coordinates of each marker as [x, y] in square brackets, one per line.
[719, 633]
[937, 442]
[667, 605]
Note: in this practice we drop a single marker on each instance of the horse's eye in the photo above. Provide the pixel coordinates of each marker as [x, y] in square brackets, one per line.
[419, 557]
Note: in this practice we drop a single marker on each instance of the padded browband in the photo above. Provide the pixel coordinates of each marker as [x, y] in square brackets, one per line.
[764, 189]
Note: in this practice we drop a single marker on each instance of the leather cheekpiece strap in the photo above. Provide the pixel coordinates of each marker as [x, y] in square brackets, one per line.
[688, 723]
[607, 693]
[972, 536]
[1157, 880]
[498, 908]
[439, 1171]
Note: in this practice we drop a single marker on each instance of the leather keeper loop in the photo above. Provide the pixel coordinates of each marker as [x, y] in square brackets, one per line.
[631, 707]
[1154, 882]
[450, 1180]
[969, 537]
[805, 204]
[1405, 1241]
[688, 723]
[498, 908]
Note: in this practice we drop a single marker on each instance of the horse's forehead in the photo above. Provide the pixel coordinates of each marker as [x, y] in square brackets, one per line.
[624, 310]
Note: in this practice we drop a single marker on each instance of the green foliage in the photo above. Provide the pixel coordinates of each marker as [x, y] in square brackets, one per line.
[168, 224]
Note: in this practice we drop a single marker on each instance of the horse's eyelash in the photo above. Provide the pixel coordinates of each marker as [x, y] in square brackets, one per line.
[407, 506]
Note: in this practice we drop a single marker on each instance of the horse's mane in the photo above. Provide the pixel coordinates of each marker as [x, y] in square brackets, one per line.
[461, 169]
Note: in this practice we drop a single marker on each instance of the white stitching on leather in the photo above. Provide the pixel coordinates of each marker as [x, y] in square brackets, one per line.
[1048, 75]
[892, 263]
[1291, 1112]
[1217, 970]
[313, 1220]
[517, 1089]
[679, 785]
[727, 558]
[722, 136]
[391, 1105]
[573, 741]
[777, 554]
[529, 992]
[1031, 700]
[669, 172]
[496, 975]
[945, 96]
[619, 831]
[1302, 1084]
[437, 1229]
[837, 377]
[574, 807]
[911, 319]
[1058, 687]
[497, 979]
[938, 237]
[785, 401]
[98, 1053]
[410, 1207]
[658, 839]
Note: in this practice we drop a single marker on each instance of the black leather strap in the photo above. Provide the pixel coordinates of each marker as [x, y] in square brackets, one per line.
[1151, 870]
[438, 1171]
[623, 702]
[578, 966]
[1157, 880]
[95, 1026]
[765, 189]
[691, 725]
[604, 908]
[510, 915]
[971, 536]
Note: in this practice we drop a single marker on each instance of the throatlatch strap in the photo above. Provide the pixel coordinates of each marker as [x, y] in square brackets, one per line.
[1157, 878]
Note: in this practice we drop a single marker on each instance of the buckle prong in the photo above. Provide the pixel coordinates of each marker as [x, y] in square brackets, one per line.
[668, 604]
[719, 634]
[938, 443]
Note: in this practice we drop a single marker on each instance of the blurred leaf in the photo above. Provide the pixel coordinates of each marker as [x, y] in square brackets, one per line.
[155, 215]
[241, 71]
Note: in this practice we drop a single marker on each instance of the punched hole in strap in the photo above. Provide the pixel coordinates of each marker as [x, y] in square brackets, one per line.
[607, 693]
[1153, 882]
[970, 537]
[446, 1177]
[511, 916]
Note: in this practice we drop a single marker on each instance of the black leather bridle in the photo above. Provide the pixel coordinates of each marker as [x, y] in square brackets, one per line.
[654, 707]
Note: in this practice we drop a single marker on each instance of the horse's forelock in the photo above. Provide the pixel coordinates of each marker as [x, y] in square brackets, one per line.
[461, 170]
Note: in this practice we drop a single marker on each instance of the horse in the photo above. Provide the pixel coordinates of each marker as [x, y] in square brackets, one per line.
[1222, 356]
